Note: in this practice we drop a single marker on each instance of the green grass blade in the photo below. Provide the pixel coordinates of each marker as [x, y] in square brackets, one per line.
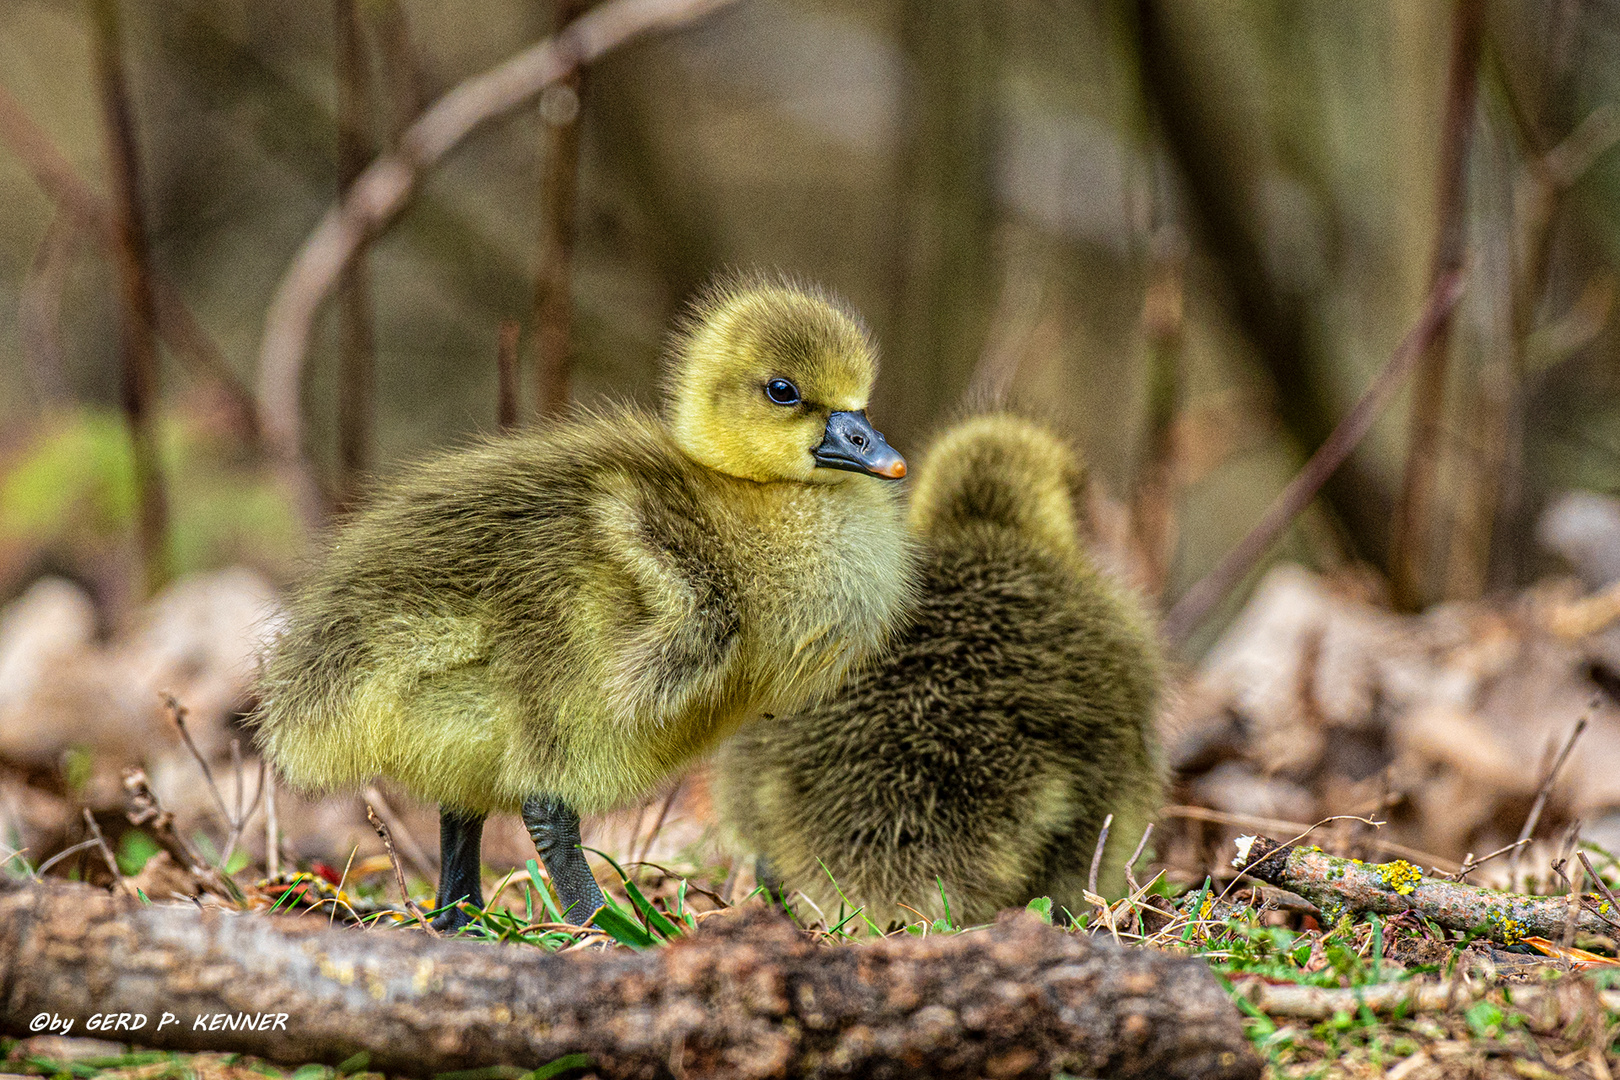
[561, 1065]
[656, 919]
[544, 891]
[622, 928]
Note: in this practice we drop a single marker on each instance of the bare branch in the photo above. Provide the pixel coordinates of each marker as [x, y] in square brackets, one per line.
[387, 183]
[1196, 604]
[137, 310]
[1414, 510]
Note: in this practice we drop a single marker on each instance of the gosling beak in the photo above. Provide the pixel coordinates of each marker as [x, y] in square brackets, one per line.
[852, 443]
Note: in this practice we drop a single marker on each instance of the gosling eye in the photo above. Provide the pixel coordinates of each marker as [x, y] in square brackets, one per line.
[782, 392]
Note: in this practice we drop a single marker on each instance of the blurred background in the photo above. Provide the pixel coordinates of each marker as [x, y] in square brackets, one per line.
[1189, 233]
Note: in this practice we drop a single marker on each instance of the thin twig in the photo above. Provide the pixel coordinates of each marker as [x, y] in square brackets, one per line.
[100, 841]
[403, 837]
[1197, 603]
[1470, 864]
[1545, 789]
[385, 186]
[1612, 916]
[1096, 856]
[658, 823]
[399, 874]
[1277, 825]
[137, 311]
[177, 713]
[1130, 864]
[64, 853]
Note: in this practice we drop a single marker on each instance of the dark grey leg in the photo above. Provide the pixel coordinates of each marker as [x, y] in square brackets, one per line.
[766, 877]
[554, 828]
[461, 837]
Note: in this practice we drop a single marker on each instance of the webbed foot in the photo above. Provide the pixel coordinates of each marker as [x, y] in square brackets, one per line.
[554, 827]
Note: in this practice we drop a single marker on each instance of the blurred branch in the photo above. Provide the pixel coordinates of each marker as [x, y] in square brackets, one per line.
[401, 70]
[175, 323]
[1197, 109]
[1414, 511]
[357, 356]
[1196, 604]
[1153, 499]
[137, 316]
[385, 186]
[560, 107]
[942, 280]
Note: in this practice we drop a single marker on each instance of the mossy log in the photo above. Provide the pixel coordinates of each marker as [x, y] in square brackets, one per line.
[1337, 886]
[746, 996]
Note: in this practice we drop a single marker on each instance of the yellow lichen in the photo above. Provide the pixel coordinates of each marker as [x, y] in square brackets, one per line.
[1401, 876]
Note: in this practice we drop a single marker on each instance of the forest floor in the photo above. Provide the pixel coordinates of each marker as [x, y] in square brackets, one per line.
[1412, 741]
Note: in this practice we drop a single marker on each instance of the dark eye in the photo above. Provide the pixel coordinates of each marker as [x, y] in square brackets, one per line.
[782, 392]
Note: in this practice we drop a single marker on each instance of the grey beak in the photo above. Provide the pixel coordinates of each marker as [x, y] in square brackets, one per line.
[852, 443]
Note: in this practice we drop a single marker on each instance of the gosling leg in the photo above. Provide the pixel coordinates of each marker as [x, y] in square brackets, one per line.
[554, 828]
[766, 877]
[461, 837]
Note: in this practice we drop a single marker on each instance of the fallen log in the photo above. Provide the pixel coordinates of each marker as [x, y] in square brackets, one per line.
[1337, 886]
[746, 996]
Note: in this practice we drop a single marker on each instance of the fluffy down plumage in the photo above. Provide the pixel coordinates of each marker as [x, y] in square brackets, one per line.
[575, 611]
[1015, 711]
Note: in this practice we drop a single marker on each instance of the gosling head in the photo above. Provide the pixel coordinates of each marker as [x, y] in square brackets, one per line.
[1003, 470]
[770, 382]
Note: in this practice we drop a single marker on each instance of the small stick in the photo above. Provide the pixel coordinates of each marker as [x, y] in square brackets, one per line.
[1612, 917]
[1545, 789]
[106, 853]
[399, 874]
[506, 362]
[407, 844]
[177, 712]
[1096, 856]
[663, 812]
[1130, 864]
[272, 832]
[1470, 864]
[1276, 825]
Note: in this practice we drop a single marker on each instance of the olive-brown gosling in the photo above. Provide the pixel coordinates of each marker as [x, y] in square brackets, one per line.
[553, 621]
[985, 750]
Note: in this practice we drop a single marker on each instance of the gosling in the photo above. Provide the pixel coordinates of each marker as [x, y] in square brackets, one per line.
[983, 753]
[553, 622]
